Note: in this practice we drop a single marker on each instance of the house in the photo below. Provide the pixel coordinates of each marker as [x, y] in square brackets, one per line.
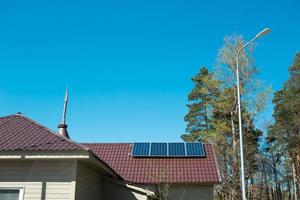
[39, 164]
[189, 178]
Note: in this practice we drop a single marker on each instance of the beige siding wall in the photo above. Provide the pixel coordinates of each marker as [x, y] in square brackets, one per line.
[41, 179]
[186, 191]
[55, 180]
[114, 191]
[88, 183]
[191, 192]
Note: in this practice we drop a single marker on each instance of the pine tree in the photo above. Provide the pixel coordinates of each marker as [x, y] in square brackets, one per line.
[286, 129]
[199, 114]
[212, 115]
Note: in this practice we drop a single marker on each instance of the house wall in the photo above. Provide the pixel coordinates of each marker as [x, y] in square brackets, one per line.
[41, 179]
[73, 180]
[115, 191]
[92, 185]
[186, 191]
[88, 183]
[191, 192]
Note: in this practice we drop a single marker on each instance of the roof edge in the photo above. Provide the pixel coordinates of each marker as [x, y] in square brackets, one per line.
[10, 115]
[53, 132]
[110, 169]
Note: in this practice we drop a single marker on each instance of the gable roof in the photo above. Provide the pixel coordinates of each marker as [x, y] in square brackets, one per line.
[18, 132]
[158, 170]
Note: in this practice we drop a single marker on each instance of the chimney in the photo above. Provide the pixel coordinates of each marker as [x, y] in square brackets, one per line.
[62, 128]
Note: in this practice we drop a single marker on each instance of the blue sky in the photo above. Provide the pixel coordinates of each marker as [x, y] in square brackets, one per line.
[128, 63]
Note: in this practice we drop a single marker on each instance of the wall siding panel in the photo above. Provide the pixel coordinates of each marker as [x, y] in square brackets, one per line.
[186, 191]
[41, 179]
[190, 192]
[113, 191]
[88, 183]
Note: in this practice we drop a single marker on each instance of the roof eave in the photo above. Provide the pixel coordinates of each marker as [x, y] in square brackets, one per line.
[42, 154]
[179, 183]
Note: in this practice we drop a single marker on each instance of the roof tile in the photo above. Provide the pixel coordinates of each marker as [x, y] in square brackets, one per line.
[158, 170]
[18, 132]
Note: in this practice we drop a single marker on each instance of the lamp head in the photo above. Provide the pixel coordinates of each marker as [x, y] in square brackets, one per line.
[263, 32]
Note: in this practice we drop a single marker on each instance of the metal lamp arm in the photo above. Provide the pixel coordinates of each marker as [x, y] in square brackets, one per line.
[245, 45]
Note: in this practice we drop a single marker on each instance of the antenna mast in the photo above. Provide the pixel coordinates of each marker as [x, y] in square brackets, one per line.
[62, 128]
[64, 116]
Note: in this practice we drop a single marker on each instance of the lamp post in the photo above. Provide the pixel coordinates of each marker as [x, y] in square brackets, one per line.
[260, 34]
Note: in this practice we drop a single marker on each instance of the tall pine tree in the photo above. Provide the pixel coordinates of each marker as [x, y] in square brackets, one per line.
[286, 129]
[199, 114]
[212, 115]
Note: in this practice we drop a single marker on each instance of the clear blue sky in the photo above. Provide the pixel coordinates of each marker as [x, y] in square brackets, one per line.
[128, 63]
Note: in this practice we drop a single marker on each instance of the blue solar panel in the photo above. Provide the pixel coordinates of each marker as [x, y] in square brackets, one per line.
[159, 149]
[194, 149]
[141, 149]
[172, 149]
[176, 149]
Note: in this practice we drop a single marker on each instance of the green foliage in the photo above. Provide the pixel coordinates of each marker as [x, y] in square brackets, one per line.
[212, 115]
[199, 115]
[286, 129]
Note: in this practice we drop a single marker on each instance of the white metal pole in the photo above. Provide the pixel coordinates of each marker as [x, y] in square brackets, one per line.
[240, 128]
[260, 34]
[240, 119]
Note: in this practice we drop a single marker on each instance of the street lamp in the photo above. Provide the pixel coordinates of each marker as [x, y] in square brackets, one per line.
[260, 34]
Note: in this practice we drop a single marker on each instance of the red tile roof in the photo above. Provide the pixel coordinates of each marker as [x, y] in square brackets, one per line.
[156, 170]
[18, 132]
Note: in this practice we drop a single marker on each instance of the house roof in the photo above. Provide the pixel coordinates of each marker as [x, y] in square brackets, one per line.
[18, 132]
[158, 170]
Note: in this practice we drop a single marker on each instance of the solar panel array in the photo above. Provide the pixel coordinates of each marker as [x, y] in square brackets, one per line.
[171, 149]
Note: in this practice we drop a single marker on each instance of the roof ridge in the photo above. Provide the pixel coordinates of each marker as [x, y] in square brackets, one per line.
[85, 143]
[53, 132]
[7, 116]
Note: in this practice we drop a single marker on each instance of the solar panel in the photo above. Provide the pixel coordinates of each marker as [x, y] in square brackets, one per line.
[172, 149]
[176, 149]
[194, 149]
[141, 149]
[159, 149]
